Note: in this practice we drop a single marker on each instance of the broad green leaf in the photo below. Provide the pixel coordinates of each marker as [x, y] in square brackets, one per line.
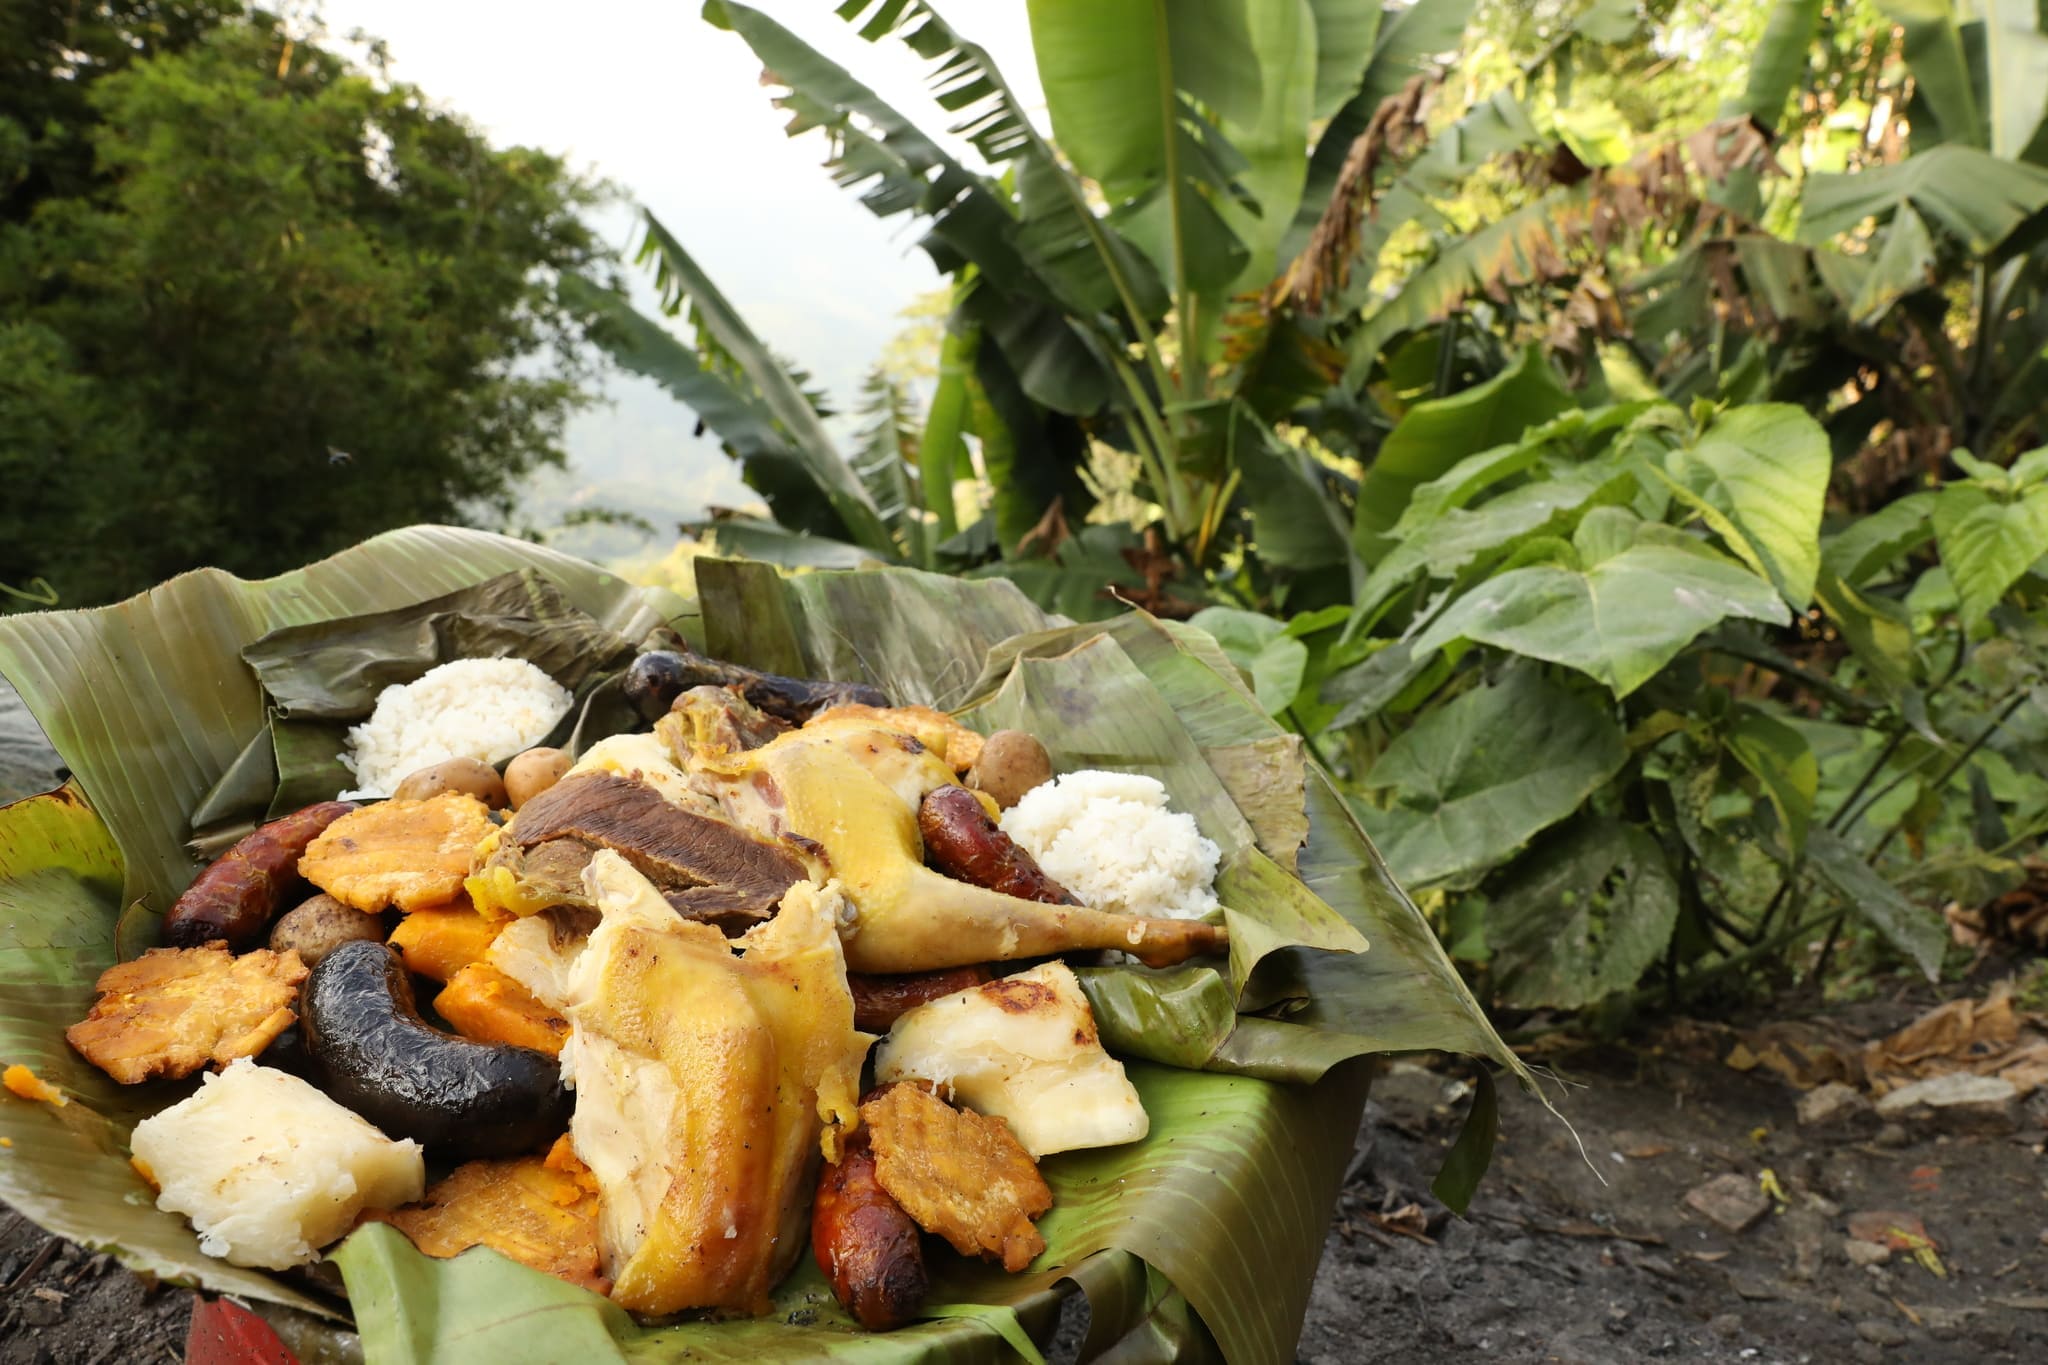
[1916, 932]
[1585, 914]
[1941, 69]
[1475, 779]
[2016, 72]
[1977, 198]
[1764, 469]
[1779, 63]
[1877, 630]
[1261, 646]
[1434, 436]
[1986, 543]
[1273, 142]
[1470, 1155]
[1345, 31]
[942, 454]
[1112, 115]
[1783, 762]
[1873, 542]
[1620, 620]
[1905, 261]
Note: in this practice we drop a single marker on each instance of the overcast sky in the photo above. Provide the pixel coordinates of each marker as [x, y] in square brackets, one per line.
[645, 94]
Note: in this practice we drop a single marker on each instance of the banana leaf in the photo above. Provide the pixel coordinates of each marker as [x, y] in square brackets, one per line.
[1200, 1242]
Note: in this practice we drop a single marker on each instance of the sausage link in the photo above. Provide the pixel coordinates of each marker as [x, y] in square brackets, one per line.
[879, 1001]
[240, 892]
[865, 1243]
[961, 841]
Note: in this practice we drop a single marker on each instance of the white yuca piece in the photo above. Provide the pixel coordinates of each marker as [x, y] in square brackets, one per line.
[270, 1170]
[486, 709]
[1023, 1049]
[1109, 838]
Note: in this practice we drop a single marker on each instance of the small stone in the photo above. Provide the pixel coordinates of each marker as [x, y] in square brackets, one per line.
[1956, 1103]
[41, 1313]
[1731, 1202]
[1861, 1252]
[1878, 1332]
[1894, 1228]
[1725, 1324]
[1866, 1353]
[1835, 1107]
[1892, 1136]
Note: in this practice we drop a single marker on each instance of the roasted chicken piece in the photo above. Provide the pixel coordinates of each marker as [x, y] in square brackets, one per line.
[959, 746]
[958, 1174]
[540, 1212]
[707, 1086]
[853, 792]
[173, 1010]
[409, 854]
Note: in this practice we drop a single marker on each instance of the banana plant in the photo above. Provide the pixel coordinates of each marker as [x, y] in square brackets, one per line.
[1108, 275]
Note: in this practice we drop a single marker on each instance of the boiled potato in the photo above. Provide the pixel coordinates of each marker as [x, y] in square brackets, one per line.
[1011, 763]
[532, 773]
[318, 926]
[470, 776]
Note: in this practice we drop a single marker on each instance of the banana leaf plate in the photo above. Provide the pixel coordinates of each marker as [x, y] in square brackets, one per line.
[1200, 1242]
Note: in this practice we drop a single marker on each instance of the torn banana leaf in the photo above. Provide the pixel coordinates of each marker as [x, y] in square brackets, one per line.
[1200, 1242]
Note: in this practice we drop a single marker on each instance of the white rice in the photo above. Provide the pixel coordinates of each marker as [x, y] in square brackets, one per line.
[488, 709]
[1109, 838]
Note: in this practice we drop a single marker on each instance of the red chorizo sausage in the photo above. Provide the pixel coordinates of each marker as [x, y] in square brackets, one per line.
[238, 895]
[879, 1001]
[961, 841]
[865, 1243]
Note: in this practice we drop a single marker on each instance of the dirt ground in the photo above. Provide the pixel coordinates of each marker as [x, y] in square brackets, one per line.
[1562, 1259]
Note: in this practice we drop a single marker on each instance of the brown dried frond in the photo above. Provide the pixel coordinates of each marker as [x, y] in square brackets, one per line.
[1397, 127]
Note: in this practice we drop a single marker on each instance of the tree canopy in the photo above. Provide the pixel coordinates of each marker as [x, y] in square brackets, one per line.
[257, 303]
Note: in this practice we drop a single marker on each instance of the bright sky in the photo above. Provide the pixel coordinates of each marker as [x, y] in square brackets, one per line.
[645, 94]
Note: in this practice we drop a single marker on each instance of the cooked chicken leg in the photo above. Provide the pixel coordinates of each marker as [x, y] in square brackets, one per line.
[851, 794]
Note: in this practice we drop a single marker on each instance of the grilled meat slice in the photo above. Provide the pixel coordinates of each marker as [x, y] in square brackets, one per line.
[706, 868]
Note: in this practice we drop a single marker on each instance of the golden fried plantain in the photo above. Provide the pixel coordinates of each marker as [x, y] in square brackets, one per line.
[410, 854]
[173, 1010]
[540, 1212]
[957, 1174]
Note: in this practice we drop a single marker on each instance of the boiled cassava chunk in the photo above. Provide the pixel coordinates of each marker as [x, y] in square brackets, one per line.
[270, 1170]
[1023, 1049]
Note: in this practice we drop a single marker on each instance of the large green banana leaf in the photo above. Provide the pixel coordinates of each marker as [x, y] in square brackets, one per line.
[1202, 1240]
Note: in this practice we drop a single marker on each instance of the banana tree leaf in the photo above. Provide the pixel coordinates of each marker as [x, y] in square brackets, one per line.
[1203, 1239]
[172, 703]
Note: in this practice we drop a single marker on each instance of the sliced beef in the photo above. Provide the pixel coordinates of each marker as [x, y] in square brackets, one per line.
[705, 867]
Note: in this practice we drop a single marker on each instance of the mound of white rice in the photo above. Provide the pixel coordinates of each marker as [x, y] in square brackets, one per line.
[1109, 839]
[489, 709]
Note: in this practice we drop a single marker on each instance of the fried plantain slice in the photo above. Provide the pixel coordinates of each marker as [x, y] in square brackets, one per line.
[173, 1010]
[539, 1211]
[957, 1174]
[410, 854]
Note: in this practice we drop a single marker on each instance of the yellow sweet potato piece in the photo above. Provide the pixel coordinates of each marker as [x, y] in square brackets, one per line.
[440, 942]
[483, 1003]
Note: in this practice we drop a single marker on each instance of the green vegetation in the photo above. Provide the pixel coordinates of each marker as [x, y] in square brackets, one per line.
[1637, 493]
[255, 305]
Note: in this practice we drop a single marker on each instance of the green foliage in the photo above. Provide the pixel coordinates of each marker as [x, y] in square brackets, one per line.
[1575, 452]
[258, 305]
